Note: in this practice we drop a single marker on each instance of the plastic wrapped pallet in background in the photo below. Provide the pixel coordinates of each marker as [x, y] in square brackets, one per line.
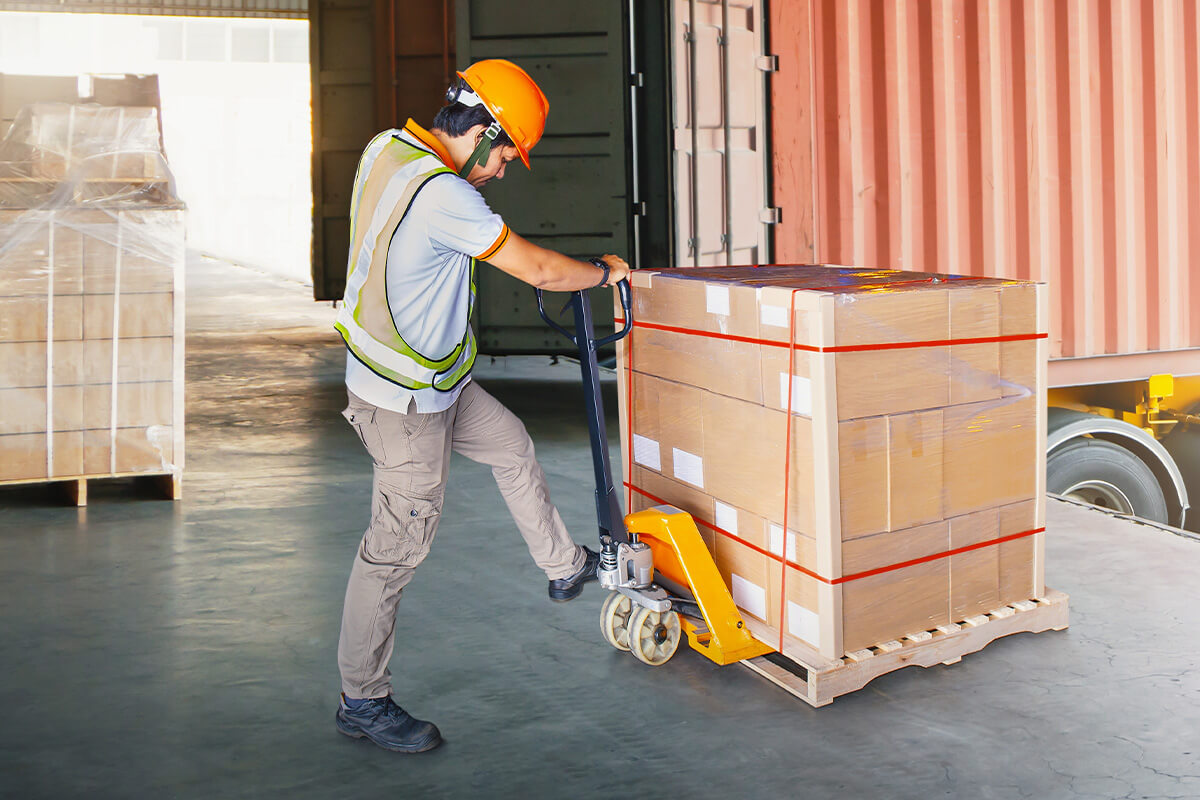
[904, 492]
[91, 298]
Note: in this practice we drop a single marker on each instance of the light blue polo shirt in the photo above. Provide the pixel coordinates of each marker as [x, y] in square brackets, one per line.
[429, 276]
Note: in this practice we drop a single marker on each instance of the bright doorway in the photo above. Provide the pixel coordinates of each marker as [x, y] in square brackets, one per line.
[236, 116]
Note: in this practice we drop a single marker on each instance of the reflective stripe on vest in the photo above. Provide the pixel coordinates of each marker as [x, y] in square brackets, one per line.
[365, 320]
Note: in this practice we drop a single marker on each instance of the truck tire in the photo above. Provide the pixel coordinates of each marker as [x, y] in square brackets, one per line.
[1106, 475]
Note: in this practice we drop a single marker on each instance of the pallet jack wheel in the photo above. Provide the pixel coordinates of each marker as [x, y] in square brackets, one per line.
[654, 635]
[614, 620]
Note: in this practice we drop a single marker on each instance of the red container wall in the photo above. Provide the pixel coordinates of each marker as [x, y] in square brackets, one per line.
[1053, 141]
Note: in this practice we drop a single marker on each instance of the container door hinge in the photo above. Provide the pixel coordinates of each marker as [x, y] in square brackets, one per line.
[769, 216]
[693, 245]
[767, 63]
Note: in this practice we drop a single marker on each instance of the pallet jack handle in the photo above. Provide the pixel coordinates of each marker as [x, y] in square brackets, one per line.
[608, 506]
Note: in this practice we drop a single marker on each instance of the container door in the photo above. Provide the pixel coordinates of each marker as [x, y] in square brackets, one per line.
[341, 50]
[575, 199]
[374, 65]
[720, 132]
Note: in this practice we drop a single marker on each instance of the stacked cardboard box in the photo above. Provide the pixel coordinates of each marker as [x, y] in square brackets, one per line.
[903, 491]
[91, 343]
[18, 92]
[94, 142]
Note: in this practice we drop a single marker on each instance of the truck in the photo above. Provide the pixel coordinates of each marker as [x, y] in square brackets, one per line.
[1055, 142]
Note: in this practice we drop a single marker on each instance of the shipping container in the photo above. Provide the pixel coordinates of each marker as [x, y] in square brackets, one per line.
[1057, 142]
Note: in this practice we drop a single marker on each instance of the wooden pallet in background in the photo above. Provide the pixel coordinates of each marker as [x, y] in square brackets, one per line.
[166, 485]
[818, 680]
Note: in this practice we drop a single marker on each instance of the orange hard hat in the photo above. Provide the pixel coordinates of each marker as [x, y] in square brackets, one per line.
[512, 98]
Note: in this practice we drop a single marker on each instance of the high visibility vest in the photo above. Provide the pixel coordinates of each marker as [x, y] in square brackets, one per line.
[390, 174]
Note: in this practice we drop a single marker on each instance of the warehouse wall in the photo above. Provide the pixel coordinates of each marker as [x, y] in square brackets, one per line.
[1057, 141]
[236, 123]
[293, 9]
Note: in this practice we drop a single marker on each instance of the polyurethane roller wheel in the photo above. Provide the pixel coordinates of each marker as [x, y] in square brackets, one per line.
[614, 620]
[654, 635]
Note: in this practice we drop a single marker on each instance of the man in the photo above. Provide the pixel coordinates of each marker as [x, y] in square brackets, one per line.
[418, 224]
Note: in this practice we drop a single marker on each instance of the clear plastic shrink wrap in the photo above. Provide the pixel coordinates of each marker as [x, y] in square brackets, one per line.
[909, 477]
[91, 296]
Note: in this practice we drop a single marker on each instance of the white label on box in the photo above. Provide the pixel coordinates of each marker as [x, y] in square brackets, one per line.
[776, 545]
[646, 453]
[718, 299]
[726, 517]
[688, 468]
[801, 394]
[804, 624]
[776, 316]
[748, 596]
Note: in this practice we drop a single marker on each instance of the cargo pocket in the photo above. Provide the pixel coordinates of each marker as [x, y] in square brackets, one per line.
[362, 419]
[403, 528]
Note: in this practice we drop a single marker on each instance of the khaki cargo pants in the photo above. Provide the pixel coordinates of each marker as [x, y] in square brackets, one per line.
[412, 459]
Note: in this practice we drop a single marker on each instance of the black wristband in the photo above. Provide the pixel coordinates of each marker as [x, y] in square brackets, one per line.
[599, 262]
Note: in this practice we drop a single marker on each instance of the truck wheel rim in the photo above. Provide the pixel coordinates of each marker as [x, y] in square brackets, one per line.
[1102, 494]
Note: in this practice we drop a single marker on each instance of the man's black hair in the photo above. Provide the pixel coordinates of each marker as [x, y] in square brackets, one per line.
[456, 119]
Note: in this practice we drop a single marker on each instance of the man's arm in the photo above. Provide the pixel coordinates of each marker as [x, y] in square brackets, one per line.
[550, 270]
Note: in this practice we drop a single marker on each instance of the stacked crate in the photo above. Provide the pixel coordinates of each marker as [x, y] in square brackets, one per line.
[91, 315]
[905, 489]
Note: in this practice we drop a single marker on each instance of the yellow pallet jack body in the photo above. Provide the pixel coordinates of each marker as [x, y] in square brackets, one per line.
[682, 557]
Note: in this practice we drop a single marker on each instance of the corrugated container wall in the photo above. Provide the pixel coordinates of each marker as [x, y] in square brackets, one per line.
[1053, 141]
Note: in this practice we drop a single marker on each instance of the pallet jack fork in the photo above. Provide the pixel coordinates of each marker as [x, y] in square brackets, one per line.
[661, 577]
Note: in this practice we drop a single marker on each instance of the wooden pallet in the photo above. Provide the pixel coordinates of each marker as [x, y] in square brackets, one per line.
[818, 680]
[166, 485]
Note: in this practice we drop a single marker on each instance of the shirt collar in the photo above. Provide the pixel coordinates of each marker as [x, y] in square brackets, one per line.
[429, 141]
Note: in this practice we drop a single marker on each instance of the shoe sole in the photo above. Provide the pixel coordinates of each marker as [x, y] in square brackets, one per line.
[358, 733]
[563, 598]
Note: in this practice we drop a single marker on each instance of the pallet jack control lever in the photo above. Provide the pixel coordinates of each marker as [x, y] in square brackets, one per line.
[608, 507]
[623, 560]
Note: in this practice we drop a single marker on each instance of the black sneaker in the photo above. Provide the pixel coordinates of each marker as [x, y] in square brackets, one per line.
[387, 725]
[568, 588]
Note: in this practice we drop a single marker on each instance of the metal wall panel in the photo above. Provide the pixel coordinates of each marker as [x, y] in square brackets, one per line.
[576, 197]
[417, 59]
[287, 9]
[1054, 141]
[375, 63]
[720, 142]
[344, 98]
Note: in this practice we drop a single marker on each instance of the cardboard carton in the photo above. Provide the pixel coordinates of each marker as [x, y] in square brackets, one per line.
[905, 392]
[90, 360]
[26, 456]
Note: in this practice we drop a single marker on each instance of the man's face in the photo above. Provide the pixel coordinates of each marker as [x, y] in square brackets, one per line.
[497, 161]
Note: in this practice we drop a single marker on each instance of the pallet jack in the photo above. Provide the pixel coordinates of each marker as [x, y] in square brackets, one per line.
[661, 577]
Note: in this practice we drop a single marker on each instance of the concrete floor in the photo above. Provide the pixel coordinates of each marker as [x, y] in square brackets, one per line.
[156, 649]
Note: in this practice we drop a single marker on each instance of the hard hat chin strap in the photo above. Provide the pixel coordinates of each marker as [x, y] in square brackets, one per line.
[480, 154]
